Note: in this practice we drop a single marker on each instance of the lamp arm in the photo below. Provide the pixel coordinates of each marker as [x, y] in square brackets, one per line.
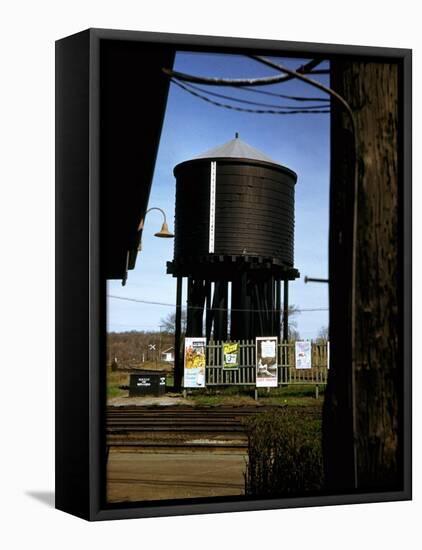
[141, 224]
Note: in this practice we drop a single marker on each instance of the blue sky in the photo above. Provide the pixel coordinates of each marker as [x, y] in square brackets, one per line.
[191, 126]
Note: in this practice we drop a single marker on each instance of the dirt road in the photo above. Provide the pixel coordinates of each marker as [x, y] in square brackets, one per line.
[134, 476]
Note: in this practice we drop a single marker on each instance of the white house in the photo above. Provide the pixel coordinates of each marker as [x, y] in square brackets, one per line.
[167, 355]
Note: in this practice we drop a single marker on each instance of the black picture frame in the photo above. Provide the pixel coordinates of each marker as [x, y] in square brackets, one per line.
[80, 287]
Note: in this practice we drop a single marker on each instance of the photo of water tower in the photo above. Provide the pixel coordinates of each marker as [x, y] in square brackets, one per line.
[233, 278]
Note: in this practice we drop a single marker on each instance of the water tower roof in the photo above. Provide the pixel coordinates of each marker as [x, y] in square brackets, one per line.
[235, 148]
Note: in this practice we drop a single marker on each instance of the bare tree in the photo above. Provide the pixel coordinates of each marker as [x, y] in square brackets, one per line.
[293, 332]
[169, 322]
[322, 334]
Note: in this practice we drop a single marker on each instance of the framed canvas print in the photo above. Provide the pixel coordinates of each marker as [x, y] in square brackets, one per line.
[233, 274]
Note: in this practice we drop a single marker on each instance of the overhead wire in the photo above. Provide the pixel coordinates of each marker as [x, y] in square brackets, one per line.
[150, 302]
[263, 81]
[250, 85]
[249, 102]
[285, 96]
[246, 110]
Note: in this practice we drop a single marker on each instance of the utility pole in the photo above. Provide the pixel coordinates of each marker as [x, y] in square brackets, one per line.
[361, 427]
[159, 343]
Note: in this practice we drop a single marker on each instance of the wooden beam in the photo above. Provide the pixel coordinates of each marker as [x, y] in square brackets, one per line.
[178, 357]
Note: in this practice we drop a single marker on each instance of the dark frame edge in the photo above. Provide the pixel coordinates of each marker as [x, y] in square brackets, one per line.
[247, 506]
[208, 41]
[97, 288]
[407, 270]
[72, 253]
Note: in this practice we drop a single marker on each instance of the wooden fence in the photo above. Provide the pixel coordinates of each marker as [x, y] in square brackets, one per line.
[245, 374]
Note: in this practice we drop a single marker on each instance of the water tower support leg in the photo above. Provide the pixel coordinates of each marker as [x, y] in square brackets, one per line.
[278, 308]
[208, 314]
[286, 311]
[178, 367]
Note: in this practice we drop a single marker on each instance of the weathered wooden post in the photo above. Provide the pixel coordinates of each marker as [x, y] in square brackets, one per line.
[178, 365]
[362, 445]
[286, 311]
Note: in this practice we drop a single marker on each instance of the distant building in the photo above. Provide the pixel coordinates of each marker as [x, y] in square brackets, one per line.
[168, 355]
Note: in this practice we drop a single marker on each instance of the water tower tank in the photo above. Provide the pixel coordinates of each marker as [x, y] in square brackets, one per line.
[234, 201]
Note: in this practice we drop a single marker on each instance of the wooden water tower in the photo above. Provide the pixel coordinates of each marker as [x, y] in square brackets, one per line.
[234, 237]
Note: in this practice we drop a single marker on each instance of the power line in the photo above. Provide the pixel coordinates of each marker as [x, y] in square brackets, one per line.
[149, 302]
[245, 110]
[232, 98]
[306, 68]
[139, 300]
[284, 96]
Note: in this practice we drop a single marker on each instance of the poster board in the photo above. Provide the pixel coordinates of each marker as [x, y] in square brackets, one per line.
[231, 355]
[266, 362]
[194, 364]
[303, 357]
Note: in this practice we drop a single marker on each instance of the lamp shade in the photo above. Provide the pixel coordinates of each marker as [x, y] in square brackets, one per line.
[164, 232]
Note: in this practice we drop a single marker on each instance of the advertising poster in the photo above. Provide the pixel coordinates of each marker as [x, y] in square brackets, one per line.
[194, 372]
[266, 362]
[303, 355]
[231, 352]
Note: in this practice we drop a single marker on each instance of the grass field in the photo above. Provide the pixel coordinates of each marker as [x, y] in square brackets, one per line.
[114, 381]
[290, 395]
[300, 396]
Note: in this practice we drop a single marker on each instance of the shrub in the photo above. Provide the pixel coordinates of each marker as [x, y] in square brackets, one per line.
[284, 453]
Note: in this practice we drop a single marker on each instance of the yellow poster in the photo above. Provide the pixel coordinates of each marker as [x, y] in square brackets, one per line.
[231, 355]
[194, 372]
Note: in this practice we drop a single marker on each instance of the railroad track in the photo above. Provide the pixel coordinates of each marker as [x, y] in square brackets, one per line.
[179, 418]
[179, 428]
